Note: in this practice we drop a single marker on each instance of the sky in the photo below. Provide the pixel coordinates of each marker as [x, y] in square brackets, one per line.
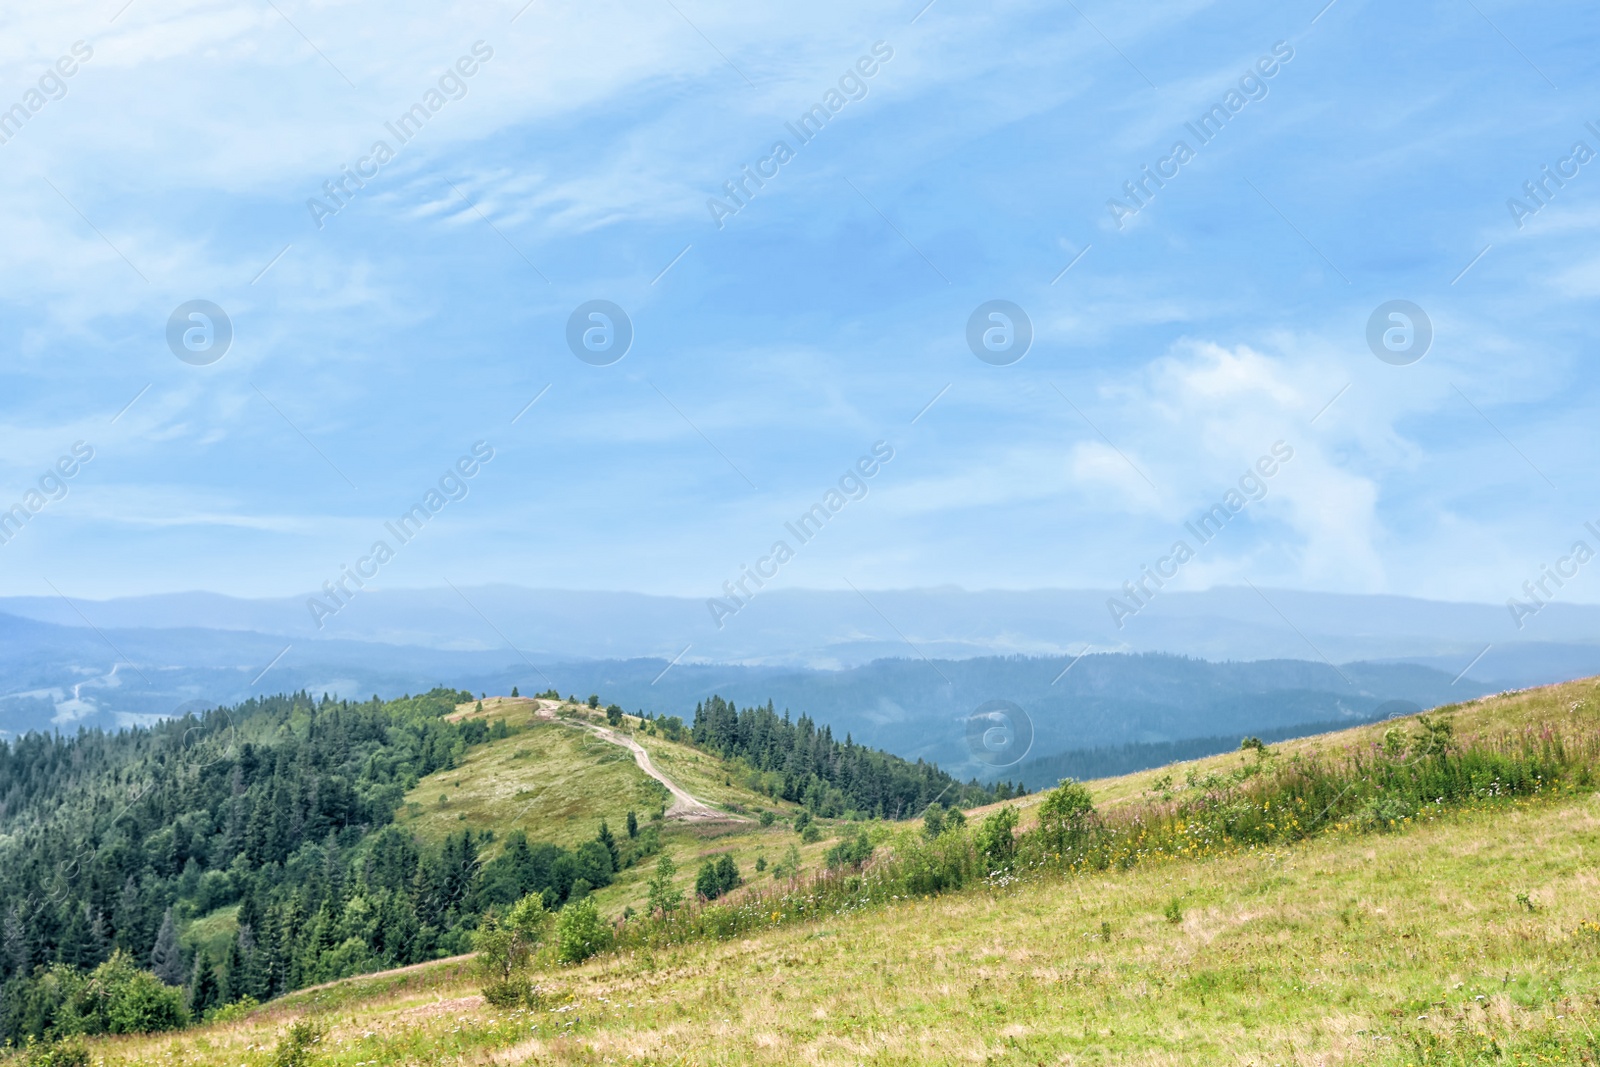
[1358, 154]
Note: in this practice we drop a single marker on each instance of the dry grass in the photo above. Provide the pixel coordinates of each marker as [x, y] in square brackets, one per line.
[1384, 949]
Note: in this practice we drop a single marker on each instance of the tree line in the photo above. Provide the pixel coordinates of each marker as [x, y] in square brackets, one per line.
[802, 763]
[122, 854]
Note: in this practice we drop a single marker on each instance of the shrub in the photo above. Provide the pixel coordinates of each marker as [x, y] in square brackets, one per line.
[296, 1046]
[717, 877]
[768, 818]
[118, 998]
[506, 946]
[996, 840]
[1066, 816]
[1173, 912]
[230, 1013]
[851, 851]
[811, 833]
[664, 897]
[926, 867]
[580, 932]
[67, 1052]
[789, 866]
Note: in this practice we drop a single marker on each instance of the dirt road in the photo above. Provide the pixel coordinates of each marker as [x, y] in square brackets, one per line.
[686, 807]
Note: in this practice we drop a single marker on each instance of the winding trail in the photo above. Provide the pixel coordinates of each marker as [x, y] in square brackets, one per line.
[686, 807]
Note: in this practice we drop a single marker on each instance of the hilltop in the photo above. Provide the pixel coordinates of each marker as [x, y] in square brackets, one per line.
[1457, 929]
[242, 854]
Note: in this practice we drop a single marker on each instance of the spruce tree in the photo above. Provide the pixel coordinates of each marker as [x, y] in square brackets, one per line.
[18, 944]
[166, 958]
[234, 982]
[608, 839]
[633, 824]
[204, 992]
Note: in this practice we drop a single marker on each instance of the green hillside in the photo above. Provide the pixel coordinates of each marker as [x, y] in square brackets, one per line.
[1439, 908]
[546, 778]
[556, 780]
[162, 874]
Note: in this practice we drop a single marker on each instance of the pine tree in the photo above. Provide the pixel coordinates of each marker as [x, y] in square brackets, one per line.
[608, 839]
[728, 878]
[166, 958]
[128, 916]
[203, 990]
[234, 982]
[18, 945]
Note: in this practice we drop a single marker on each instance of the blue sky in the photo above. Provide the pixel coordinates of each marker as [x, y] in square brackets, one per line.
[823, 317]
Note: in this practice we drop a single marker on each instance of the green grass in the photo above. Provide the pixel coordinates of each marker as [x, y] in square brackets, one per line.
[212, 932]
[551, 781]
[1470, 938]
[555, 781]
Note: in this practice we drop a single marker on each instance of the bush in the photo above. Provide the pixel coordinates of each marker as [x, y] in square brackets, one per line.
[768, 818]
[1173, 912]
[663, 896]
[506, 946]
[789, 866]
[296, 1047]
[580, 932]
[717, 877]
[996, 842]
[117, 998]
[852, 851]
[811, 833]
[67, 1052]
[230, 1013]
[144, 1004]
[928, 866]
[1066, 817]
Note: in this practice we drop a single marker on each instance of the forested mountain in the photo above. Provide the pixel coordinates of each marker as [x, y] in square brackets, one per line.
[802, 763]
[279, 813]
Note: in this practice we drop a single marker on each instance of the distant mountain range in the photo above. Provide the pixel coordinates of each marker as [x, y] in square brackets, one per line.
[902, 670]
[832, 629]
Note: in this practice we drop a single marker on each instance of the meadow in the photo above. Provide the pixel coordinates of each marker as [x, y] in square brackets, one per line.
[1469, 935]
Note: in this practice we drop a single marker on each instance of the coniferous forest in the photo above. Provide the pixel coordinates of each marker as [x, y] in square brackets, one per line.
[803, 763]
[113, 844]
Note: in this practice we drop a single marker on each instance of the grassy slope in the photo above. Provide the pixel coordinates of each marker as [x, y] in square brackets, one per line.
[1346, 949]
[556, 781]
[549, 780]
